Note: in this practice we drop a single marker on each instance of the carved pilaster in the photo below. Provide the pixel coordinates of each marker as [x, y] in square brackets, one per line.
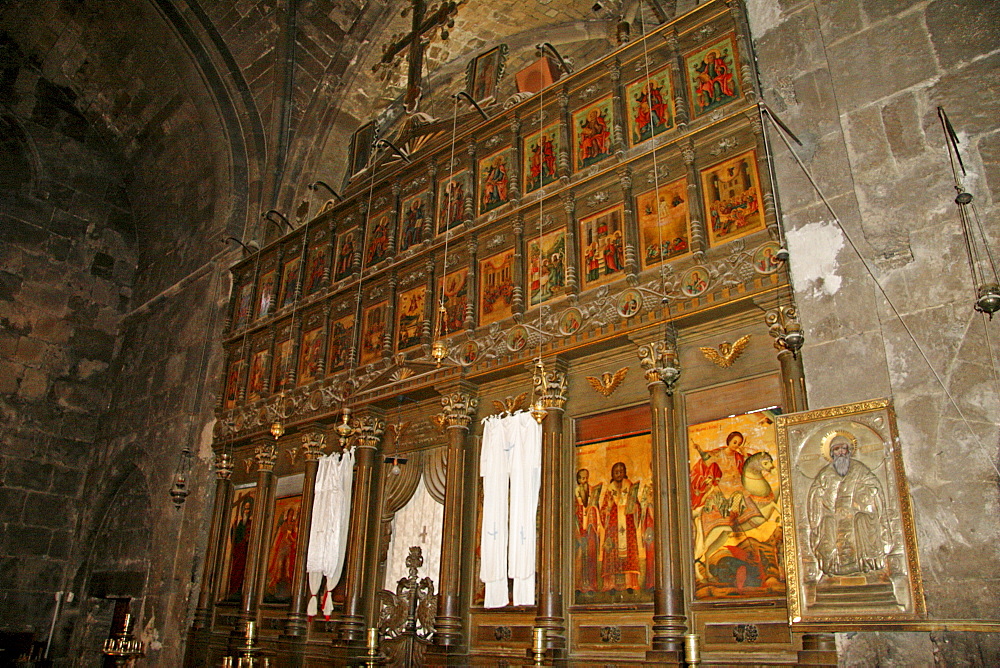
[676, 60]
[514, 173]
[699, 233]
[572, 248]
[745, 64]
[431, 307]
[618, 127]
[428, 231]
[470, 204]
[658, 359]
[472, 286]
[764, 169]
[458, 408]
[565, 136]
[517, 297]
[631, 226]
[388, 337]
[394, 217]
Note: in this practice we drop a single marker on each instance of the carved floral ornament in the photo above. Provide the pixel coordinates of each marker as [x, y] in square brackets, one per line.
[550, 385]
[458, 409]
[659, 360]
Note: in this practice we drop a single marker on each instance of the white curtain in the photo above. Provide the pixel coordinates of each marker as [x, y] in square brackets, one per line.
[328, 532]
[510, 465]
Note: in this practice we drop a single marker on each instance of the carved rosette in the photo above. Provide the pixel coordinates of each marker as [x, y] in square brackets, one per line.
[223, 466]
[458, 409]
[369, 430]
[660, 363]
[266, 456]
[550, 385]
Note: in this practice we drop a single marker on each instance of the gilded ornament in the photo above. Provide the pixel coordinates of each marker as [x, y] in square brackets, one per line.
[608, 382]
[727, 354]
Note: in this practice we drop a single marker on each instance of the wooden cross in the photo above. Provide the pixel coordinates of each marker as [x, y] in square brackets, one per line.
[442, 15]
[423, 534]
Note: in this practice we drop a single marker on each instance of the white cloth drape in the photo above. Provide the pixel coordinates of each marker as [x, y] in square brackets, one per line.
[510, 465]
[328, 532]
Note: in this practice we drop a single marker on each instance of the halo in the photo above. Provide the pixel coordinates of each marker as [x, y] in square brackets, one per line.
[824, 448]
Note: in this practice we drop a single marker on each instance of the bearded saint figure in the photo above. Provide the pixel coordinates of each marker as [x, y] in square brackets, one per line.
[848, 527]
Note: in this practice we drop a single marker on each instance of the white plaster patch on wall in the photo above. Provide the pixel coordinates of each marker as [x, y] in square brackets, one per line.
[813, 249]
[205, 440]
[763, 16]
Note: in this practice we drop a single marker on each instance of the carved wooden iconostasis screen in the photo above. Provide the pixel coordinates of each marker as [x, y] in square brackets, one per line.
[619, 226]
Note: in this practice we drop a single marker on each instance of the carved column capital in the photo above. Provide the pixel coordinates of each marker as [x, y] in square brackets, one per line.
[369, 429]
[223, 466]
[458, 409]
[625, 177]
[266, 456]
[687, 152]
[783, 324]
[660, 364]
[515, 125]
[550, 385]
[313, 444]
[569, 202]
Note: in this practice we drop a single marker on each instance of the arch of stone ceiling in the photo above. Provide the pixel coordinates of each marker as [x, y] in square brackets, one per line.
[137, 82]
[337, 110]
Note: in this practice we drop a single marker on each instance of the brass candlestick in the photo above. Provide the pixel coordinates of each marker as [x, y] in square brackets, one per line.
[692, 652]
[538, 645]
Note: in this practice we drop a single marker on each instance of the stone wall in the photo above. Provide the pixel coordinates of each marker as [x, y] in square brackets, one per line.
[859, 81]
[67, 257]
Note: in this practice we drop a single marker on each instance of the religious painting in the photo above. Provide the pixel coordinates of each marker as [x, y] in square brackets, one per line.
[735, 508]
[732, 198]
[494, 180]
[451, 200]
[411, 228]
[242, 306]
[310, 356]
[233, 383]
[650, 106]
[483, 75]
[282, 547]
[237, 542]
[628, 303]
[546, 267]
[712, 76]
[603, 247]
[570, 321]
[410, 310]
[851, 550]
[592, 133]
[664, 223]
[694, 281]
[318, 261]
[265, 295]
[289, 281]
[455, 292]
[258, 375]
[341, 332]
[517, 338]
[372, 329]
[765, 258]
[282, 365]
[496, 291]
[361, 147]
[541, 150]
[614, 545]
[378, 238]
[346, 249]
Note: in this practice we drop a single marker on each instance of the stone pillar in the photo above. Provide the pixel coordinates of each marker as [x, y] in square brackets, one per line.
[659, 360]
[253, 581]
[361, 537]
[458, 408]
[296, 623]
[551, 387]
[213, 554]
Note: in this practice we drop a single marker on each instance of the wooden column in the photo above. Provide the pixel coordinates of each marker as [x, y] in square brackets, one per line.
[362, 538]
[783, 325]
[296, 623]
[630, 225]
[213, 554]
[551, 613]
[659, 360]
[253, 581]
[458, 408]
[699, 231]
